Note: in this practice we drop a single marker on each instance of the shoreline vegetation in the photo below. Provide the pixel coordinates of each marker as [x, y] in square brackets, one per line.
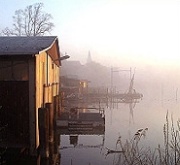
[133, 153]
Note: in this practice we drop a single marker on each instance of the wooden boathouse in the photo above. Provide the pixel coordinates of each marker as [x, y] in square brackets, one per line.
[29, 91]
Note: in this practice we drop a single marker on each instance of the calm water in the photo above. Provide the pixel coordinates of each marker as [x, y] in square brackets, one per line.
[120, 121]
[124, 120]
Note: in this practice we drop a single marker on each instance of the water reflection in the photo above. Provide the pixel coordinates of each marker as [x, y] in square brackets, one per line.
[123, 122]
[21, 159]
[125, 125]
[86, 137]
[82, 130]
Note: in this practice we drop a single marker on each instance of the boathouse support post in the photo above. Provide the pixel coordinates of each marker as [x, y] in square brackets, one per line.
[50, 108]
[32, 112]
[43, 114]
[56, 109]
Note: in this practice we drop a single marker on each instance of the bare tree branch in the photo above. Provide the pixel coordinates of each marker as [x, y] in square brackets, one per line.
[31, 21]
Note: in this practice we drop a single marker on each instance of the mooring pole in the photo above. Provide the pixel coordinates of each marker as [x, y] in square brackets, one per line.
[43, 118]
[49, 106]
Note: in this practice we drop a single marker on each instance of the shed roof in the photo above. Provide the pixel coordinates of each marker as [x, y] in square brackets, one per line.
[21, 45]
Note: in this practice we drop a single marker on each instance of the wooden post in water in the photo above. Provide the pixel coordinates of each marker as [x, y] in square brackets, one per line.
[56, 106]
[49, 106]
[56, 110]
[43, 119]
[107, 95]
[176, 94]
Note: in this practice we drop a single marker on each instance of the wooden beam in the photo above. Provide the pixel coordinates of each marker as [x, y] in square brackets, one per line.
[32, 111]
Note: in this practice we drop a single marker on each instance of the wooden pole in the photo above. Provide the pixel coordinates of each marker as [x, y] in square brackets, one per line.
[49, 106]
[56, 109]
[44, 132]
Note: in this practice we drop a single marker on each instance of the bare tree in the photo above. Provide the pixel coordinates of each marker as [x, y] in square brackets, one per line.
[31, 21]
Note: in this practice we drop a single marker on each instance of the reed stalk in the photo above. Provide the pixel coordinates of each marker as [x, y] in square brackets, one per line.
[135, 154]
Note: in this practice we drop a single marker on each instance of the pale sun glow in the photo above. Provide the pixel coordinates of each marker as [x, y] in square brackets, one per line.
[133, 32]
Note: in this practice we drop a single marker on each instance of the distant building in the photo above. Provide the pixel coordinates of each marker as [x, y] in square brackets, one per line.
[89, 59]
[94, 72]
[71, 68]
[72, 87]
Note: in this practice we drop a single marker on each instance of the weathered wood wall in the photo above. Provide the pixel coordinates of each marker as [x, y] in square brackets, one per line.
[47, 85]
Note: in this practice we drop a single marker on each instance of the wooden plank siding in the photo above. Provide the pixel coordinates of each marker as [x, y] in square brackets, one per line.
[47, 84]
[47, 79]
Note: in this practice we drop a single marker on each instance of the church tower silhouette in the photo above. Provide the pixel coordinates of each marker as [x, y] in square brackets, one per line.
[89, 59]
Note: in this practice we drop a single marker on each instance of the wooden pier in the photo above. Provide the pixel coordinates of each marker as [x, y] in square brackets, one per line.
[76, 122]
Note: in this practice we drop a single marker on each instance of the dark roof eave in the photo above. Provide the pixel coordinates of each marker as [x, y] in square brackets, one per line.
[25, 45]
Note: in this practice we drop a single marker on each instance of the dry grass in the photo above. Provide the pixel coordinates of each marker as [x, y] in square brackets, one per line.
[135, 154]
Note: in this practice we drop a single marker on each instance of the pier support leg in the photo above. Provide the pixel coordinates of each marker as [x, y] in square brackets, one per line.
[44, 132]
[49, 106]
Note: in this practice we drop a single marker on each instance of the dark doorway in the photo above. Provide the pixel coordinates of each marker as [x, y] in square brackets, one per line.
[14, 112]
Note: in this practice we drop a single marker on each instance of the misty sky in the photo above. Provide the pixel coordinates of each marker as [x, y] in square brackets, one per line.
[117, 32]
